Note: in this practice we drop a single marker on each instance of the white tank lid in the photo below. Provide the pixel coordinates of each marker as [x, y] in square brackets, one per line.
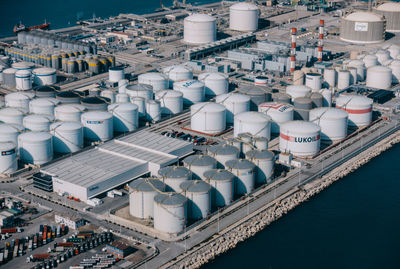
[189, 84]
[379, 69]
[20, 96]
[353, 99]
[219, 175]
[223, 149]
[329, 113]
[260, 154]
[389, 6]
[122, 107]
[45, 101]
[208, 106]
[23, 73]
[147, 185]
[39, 118]
[35, 136]
[65, 126]
[4, 146]
[197, 186]
[232, 98]
[244, 6]
[253, 117]
[197, 17]
[70, 108]
[199, 160]
[213, 76]
[240, 164]
[10, 128]
[276, 107]
[42, 71]
[12, 111]
[10, 71]
[300, 127]
[177, 69]
[97, 115]
[153, 76]
[174, 172]
[168, 94]
[170, 199]
[361, 16]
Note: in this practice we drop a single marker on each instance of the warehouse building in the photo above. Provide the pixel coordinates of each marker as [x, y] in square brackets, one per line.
[119, 249]
[114, 163]
[73, 222]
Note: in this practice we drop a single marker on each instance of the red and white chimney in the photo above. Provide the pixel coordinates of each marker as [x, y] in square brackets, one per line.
[321, 39]
[293, 50]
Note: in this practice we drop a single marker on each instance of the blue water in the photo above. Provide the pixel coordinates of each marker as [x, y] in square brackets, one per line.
[355, 223]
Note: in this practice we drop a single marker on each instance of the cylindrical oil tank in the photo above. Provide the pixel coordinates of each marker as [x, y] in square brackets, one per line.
[108, 94]
[330, 77]
[141, 103]
[255, 123]
[10, 132]
[140, 90]
[333, 123]
[343, 79]
[12, 115]
[125, 117]
[391, 12]
[379, 77]
[382, 56]
[199, 29]
[317, 99]
[8, 157]
[94, 91]
[358, 107]
[23, 66]
[116, 74]
[35, 147]
[395, 66]
[44, 76]
[279, 113]
[158, 81]
[43, 106]
[257, 95]
[171, 101]
[281, 98]
[55, 61]
[264, 162]
[45, 91]
[170, 212]
[223, 153]
[327, 97]
[177, 73]
[198, 193]
[9, 77]
[215, 83]
[141, 196]
[314, 81]
[71, 65]
[362, 28]
[95, 103]
[121, 98]
[174, 176]
[19, 100]
[122, 84]
[67, 136]
[302, 106]
[370, 60]
[222, 183]
[235, 103]
[69, 112]
[300, 138]
[244, 172]
[298, 77]
[153, 110]
[94, 66]
[298, 91]
[208, 118]
[193, 91]
[38, 122]
[243, 17]
[98, 125]
[260, 142]
[360, 67]
[246, 140]
[68, 97]
[199, 164]
[261, 81]
[23, 80]
[353, 75]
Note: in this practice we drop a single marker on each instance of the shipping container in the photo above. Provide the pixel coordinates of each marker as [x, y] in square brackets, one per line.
[8, 230]
[41, 257]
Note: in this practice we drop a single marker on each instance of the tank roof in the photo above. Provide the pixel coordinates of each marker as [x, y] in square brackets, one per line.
[65, 125]
[168, 93]
[11, 128]
[174, 172]
[223, 149]
[208, 106]
[219, 175]
[153, 76]
[170, 199]
[35, 136]
[189, 84]
[301, 127]
[328, 113]
[68, 108]
[260, 154]
[46, 88]
[39, 118]
[197, 17]
[95, 100]
[45, 101]
[68, 94]
[379, 69]
[389, 6]
[139, 87]
[240, 164]
[252, 116]
[199, 160]
[97, 115]
[195, 186]
[353, 99]
[232, 98]
[147, 185]
[213, 76]
[7, 146]
[122, 107]
[12, 111]
[244, 6]
[362, 16]
[20, 95]
[44, 71]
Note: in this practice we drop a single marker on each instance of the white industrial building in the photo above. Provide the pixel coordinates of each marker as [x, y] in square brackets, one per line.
[100, 169]
[73, 222]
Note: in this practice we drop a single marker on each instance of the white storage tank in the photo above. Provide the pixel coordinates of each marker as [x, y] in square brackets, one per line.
[279, 113]
[98, 125]
[199, 29]
[391, 12]
[69, 112]
[19, 100]
[199, 164]
[177, 73]
[125, 117]
[140, 90]
[379, 77]
[67, 136]
[95, 103]
[395, 66]
[170, 212]
[370, 60]
[264, 162]
[116, 74]
[35, 147]
[9, 132]
[198, 193]
[141, 103]
[327, 97]
[68, 97]
[122, 84]
[43, 106]
[193, 91]
[141, 196]
[362, 28]
[234, 103]
[314, 81]
[223, 153]
[153, 110]
[300, 138]
[333, 123]
[171, 101]
[173, 176]
[38, 122]
[330, 77]
[358, 107]
[208, 118]
[382, 56]
[44, 76]
[343, 79]
[12, 115]
[9, 77]
[8, 157]
[360, 66]
[243, 17]
[244, 172]
[23, 66]
[246, 140]
[296, 91]
[215, 83]
[222, 183]
[394, 51]
[158, 81]
[23, 80]
[260, 142]
[108, 94]
[255, 123]
[121, 98]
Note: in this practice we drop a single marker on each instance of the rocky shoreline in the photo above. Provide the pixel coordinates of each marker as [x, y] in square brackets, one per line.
[229, 238]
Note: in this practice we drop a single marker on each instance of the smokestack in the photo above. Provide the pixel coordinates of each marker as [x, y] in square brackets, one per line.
[321, 39]
[293, 50]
